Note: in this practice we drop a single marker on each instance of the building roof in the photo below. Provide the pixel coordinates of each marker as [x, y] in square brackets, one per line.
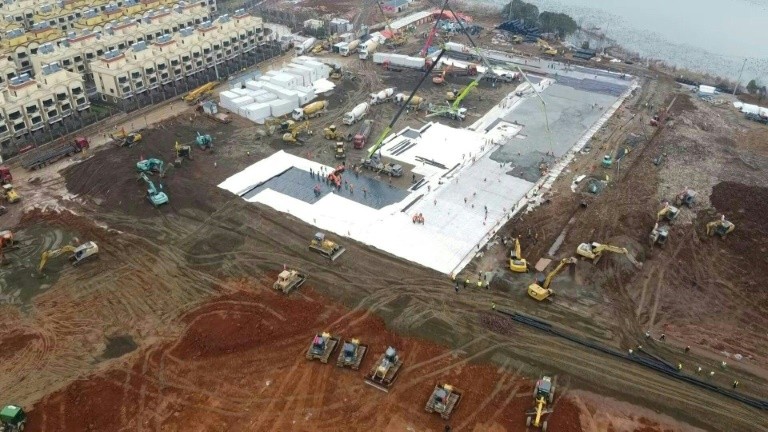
[396, 3]
[408, 20]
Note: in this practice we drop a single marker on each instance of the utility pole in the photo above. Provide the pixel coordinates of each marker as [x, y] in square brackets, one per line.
[739, 80]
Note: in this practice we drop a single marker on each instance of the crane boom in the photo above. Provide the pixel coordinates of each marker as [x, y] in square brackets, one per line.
[391, 125]
[432, 32]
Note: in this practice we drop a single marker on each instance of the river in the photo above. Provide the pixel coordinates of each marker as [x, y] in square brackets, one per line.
[713, 36]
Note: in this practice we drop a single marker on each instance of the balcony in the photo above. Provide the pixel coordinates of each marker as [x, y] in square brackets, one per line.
[66, 110]
[165, 78]
[19, 129]
[77, 91]
[83, 104]
[36, 123]
[4, 131]
[53, 117]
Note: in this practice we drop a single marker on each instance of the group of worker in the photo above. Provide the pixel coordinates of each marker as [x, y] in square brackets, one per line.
[482, 281]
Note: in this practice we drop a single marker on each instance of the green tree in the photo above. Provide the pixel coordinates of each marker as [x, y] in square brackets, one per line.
[518, 9]
[752, 87]
[559, 23]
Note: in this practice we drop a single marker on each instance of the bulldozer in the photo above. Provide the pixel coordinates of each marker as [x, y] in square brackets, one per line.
[539, 289]
[385, 371]
[543, 395]
[182, 151]
[659, 235]
[10, 194]
[517, 263]
[686, 198]
[594, 251]
[125, 139]
[78, 254]
[12, 419]
[720, 227]
[292, 136]
[322, 347]
[332, 134]
[443, 400]
[288, 280]
[352, 354]
[668, 212]
[325, 247]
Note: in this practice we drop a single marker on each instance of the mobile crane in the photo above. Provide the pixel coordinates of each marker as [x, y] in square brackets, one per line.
[539, 289]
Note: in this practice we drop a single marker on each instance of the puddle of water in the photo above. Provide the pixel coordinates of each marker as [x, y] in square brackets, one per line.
[118, 346]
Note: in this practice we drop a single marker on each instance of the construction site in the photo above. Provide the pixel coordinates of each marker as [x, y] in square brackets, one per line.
[486, 245]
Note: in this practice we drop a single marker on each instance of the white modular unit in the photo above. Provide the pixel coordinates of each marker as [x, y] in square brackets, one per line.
[282, 107]
[256, 112]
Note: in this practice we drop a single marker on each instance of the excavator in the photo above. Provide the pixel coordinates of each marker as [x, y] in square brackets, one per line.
[686, 198]
[326, 247]
[182, 151]
[204, 142]
[288, 280]
[125, 139]
[78, 254]
[443, 400]
[517, 263]
[539, 290]
[720, 227]
[150, 166]
[594, 251]
[322, 347]
[352, 354]
[543, 395]
[668, 212]
[659, 235]
[292, 136]
[155, 195]
[385, 371]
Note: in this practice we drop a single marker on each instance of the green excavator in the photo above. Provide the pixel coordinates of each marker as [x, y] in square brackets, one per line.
[155, 195]
[150, 166]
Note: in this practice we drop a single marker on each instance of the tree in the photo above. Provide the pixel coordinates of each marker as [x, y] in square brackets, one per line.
[560, 23]
[752, 87]
[518, 9]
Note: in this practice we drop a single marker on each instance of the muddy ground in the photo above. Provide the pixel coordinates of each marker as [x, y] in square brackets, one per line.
[174, 326]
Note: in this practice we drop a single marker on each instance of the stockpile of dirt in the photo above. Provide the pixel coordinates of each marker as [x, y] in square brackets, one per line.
[110, 180]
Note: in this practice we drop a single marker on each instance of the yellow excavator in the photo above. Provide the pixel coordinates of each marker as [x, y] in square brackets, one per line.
[539, 290]
[517, 263]
[331, 133]
[594, 251]
[720, 227]
[292, 136]
[78, 253]
[668, 212]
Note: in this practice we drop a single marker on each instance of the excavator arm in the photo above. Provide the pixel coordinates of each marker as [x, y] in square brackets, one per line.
[553, 273]
[53, 253]
[518, 251]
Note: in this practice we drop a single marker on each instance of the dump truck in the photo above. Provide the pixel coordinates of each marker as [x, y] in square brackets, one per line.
[326, 247]
[45, 157]
[385, 371]
[356, 114]
[322, 346]
[289, 280]
[361, 137]
[443, 400]
[310, 111]
[12, 419]
[352, 354]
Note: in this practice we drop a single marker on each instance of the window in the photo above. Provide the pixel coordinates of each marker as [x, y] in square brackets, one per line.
[121, 46]
[31, 109]
[104, 98]
[33, 51]
[112, 91]
[99, 52]
[122, 79]
[81, 68]
[150, 71]
[3, 128]
[126, 89]
[135, 75]
[67, 62]
[19, 126]
[14, 115]
[89, 56]
[175, 62]
[21, 55]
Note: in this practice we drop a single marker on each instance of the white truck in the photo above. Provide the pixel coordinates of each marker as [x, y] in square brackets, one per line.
[310, 111]
[350, 48]
[368, 48]
[356, 114]
[304, 47]
[382, 96]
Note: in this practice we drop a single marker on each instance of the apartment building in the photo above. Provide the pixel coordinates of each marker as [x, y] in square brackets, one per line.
[75, 52]
[120, 75]
[28, 105]
[27, 24]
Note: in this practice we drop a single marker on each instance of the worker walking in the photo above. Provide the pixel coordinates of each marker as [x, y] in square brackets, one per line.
[735, 383]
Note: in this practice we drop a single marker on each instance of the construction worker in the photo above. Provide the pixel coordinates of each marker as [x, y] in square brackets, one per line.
[662, 337]
[479, 283]
[735, 383]
[687, 349]
[723, 365]
[493, 305]
[466, 282]
[679, 366]
[698, 370]
[711, 374]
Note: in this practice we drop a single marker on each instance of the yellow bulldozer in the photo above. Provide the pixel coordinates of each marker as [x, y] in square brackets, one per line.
[721, 227]
[78, 254]
[332, 134]
[517, 263]
[594, 251]
[443, 400]
[289, 280]
[539, 289]
[385, 371]
[326, 247]
[10, 194]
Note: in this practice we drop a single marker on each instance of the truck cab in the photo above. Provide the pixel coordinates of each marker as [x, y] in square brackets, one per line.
[10, 193]
[5, 175]
[12, 418]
